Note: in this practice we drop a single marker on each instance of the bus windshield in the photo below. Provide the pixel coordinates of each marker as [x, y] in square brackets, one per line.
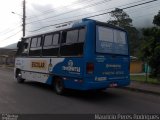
[109, 40]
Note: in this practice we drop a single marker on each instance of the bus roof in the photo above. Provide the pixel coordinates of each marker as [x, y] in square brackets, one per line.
[59, 27]
[71, 24]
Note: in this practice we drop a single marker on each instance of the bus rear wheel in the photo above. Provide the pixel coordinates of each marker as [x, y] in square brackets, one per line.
[19, 77]
[59, 86]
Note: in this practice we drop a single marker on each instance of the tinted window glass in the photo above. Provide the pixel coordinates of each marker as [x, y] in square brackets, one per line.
[23, 47]
[51, 48]
[35, 49]
[75, 39]
[48, 40]
[110, 40]
[39, 42]
[55, 39]
[81, 35]
[119, 37]
[26, 46]
[72, 36]
[105, 34]
[34, 42]
[63, 40]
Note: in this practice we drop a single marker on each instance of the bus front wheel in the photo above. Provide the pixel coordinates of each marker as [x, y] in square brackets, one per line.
[19, 77]
[59, 86]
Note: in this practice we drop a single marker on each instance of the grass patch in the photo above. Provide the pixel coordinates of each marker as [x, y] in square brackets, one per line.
[142, 78]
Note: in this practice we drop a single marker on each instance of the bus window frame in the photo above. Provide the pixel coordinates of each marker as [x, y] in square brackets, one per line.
[29, 43]
[112, 27]
[59, 42]
[43, 47]
[37, 47]
[44, 39]
[70, 29]
[24, 51]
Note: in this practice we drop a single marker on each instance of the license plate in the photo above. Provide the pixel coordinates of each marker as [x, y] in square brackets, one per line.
[113, 85]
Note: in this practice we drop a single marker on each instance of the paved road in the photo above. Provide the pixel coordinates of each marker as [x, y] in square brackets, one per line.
[35, 98]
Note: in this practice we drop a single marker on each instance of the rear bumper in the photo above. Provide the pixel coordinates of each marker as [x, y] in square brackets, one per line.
[88, 85]
[105, 84]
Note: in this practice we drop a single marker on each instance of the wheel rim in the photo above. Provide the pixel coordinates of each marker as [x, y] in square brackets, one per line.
[19, 76]
[59, 86]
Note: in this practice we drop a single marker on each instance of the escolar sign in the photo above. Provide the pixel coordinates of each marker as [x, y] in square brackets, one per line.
[38, 64]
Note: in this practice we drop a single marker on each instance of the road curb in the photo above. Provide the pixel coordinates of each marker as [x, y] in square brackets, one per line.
[141, 90]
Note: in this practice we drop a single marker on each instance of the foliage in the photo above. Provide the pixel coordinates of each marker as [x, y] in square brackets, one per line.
[122, 19]
[151, 49]
[142, 78]
[156, 20]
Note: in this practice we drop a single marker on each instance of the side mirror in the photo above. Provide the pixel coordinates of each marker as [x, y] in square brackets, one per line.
[19, 44]
[25, 45]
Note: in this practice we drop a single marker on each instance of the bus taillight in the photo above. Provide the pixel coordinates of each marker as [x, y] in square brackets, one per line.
[90, 68]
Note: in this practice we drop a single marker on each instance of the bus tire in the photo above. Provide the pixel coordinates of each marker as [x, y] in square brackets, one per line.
[59, 86]
[19, 77]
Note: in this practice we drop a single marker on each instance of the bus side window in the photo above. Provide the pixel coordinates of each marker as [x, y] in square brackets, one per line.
[35, 47]
[63, 39]
[74, 42]
[26, 47]
[51, 45]
[56, 39]
[48, 40]
[23, 47]
[39, 42]
[81, 39]
[81, 35]
[55, 44]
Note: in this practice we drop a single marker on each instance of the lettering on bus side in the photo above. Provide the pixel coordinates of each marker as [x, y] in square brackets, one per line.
[39, 64]
[113, 66]
[71, 68]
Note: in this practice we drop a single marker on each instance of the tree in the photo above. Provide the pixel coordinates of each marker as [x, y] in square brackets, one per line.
[122, 19]
[151, 47]
[156, 19]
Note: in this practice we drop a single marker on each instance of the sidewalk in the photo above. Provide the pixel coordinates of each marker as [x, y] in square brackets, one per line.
[144, 87]
[7, 67]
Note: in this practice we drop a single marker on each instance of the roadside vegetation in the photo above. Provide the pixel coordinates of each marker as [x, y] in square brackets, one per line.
[143, 79]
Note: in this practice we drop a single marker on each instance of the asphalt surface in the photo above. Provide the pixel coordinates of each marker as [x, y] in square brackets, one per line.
[36, 98]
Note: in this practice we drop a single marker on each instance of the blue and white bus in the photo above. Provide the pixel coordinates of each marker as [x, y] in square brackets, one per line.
[82, 55]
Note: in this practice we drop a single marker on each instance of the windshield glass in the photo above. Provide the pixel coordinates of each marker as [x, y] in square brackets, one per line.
[109, 40]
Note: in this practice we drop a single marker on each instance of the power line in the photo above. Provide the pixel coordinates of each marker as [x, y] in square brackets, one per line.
[10, 30]
[96, 15]
[92, 12]
[85, 7]
[148, 7]
[124, 8]
[73, 3]
[52, 10]
[95, 4]
[11, 36]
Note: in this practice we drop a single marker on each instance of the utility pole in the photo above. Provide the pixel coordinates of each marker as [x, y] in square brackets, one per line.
[24, 17]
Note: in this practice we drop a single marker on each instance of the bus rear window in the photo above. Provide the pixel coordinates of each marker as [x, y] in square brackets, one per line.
[109, 40]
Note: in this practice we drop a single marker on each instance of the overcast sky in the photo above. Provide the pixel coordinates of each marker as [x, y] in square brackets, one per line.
[40, 13]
